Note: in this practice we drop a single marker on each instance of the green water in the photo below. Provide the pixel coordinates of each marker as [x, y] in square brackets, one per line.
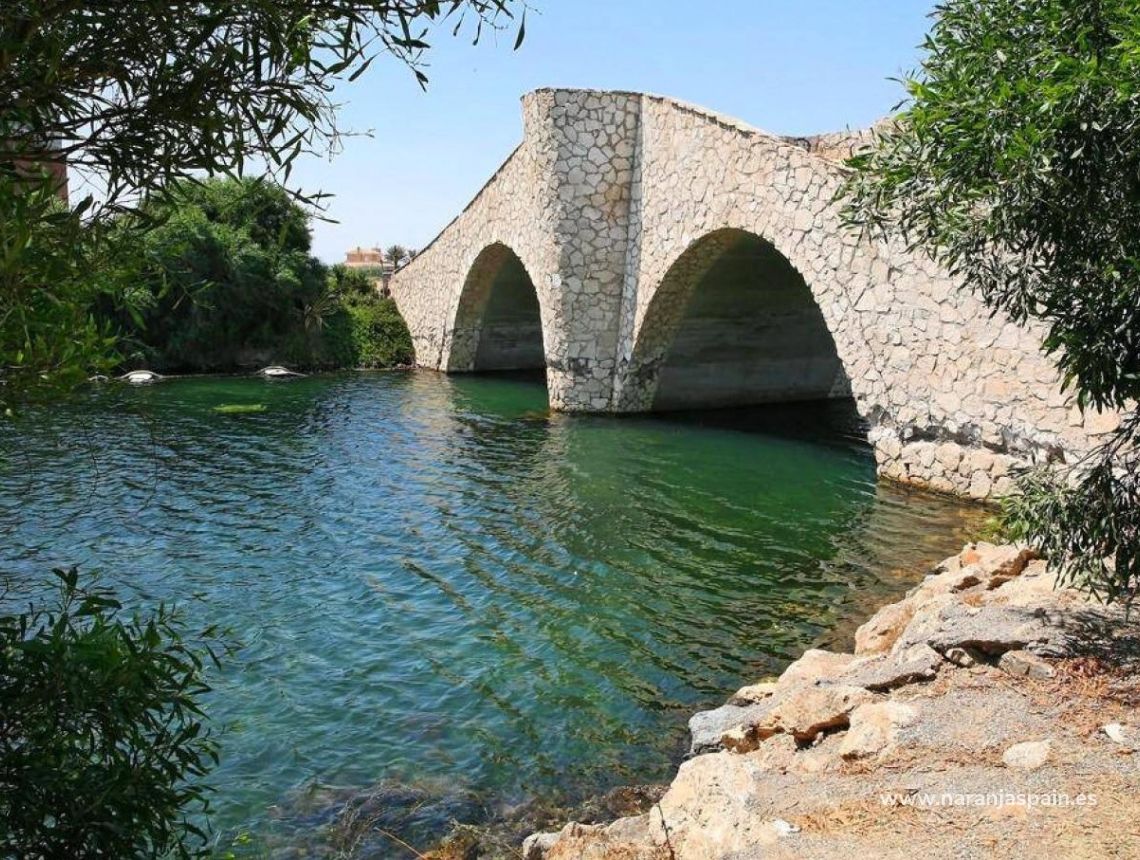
[440, 585]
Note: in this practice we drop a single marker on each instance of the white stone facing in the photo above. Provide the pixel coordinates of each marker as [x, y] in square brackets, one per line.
[617, 203]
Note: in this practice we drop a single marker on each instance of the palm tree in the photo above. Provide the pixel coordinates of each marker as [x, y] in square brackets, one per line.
[397, 255]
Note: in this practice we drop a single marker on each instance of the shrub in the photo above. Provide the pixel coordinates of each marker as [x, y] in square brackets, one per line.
[225, 270]
[362, 328]
[51, 273]
[102, 742]
[380, 336]
[223, 277]
[1015, 162]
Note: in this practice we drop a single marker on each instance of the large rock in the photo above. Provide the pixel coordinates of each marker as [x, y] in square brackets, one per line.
[805, 712]
[923, 623]
[706, 728]
[1001, 561]
[1036, 585]
[874, 728]
[880, 674]
[590, 841]
[1025, 665]
[816, 665]
[995, 629]
[802, 711]
[754, 694]
[716, 808]
[980, 565]
[879, 633]
[536, 846]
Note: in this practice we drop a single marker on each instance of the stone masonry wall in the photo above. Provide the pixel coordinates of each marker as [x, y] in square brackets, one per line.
[561, 204]
[618, 203]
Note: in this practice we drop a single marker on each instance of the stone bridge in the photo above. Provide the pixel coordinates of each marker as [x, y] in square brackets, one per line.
[652, 255]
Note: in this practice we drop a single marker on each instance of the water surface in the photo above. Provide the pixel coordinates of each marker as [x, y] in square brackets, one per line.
[436, 582]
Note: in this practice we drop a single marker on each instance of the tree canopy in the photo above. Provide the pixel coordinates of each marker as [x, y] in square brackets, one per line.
[136, 94]
[222, 268]
[102, 741]
[1015, 161]
[217, 275]
[137, 97]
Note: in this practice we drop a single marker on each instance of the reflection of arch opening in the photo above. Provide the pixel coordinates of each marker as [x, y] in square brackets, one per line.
[498, 324]
[734, 323]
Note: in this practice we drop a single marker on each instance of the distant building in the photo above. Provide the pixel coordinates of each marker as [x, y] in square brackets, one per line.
[371, 261]
[365, 258]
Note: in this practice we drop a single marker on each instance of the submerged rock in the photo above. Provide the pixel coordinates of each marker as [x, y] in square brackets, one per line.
[324, 821]
[141, 377]
[276, 371]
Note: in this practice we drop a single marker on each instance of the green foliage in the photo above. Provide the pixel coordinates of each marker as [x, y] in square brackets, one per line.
[221, 278]
[365, 330]
[144, 93]
[48, 285]
[1088, 524]
[994, 529]
[1016, 162]
[351, 285]
[380, 336]
[221, 270]
[102, 742]
[137, 97]
[396, 255]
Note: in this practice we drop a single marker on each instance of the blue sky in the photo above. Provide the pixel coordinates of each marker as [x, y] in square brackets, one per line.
[788, 66]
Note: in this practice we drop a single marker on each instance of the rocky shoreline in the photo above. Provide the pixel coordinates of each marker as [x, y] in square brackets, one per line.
[985, 712]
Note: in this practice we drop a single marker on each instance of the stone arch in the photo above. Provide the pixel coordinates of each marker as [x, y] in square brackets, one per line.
[498, 320]
[732, 322]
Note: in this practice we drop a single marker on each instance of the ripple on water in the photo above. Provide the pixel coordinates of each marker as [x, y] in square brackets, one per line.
[435, 580]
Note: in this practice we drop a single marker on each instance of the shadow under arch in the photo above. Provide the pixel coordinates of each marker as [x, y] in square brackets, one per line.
[732, 323]
[498, 321]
